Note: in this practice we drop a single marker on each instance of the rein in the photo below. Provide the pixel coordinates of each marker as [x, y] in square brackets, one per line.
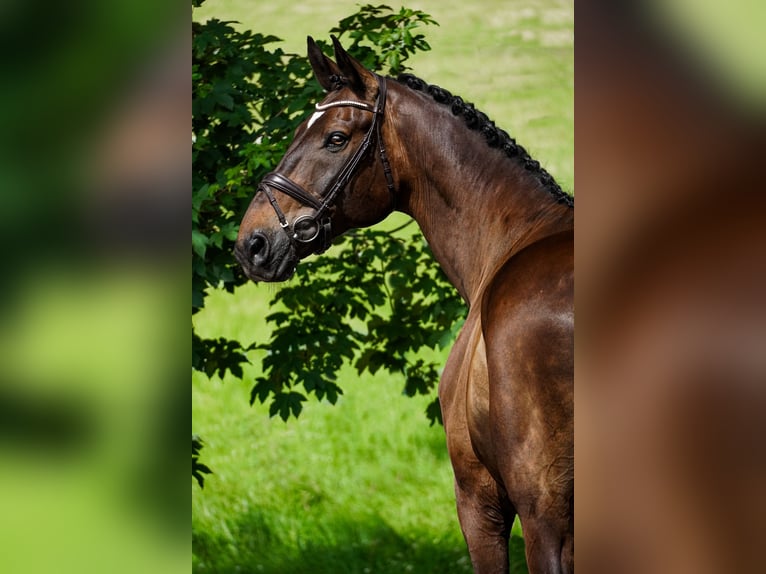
[307, 228]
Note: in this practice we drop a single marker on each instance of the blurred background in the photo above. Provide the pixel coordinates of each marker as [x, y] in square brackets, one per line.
[94, 178]
[671, 272]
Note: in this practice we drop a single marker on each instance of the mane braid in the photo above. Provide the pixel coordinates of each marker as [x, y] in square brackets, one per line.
[494, 136]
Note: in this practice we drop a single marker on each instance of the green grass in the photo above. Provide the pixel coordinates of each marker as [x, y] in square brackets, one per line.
[362, 486]
[366, 485]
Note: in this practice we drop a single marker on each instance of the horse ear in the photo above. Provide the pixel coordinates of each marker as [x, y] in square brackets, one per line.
[359, 79]
[326, 71]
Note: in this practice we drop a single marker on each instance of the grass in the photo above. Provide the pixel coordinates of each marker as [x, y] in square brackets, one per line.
[366, 485]
[362, 486]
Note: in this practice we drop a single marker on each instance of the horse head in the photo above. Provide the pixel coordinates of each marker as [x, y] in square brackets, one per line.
[334, 176]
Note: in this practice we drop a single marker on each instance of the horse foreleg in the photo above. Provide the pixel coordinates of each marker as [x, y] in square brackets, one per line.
[486, 518]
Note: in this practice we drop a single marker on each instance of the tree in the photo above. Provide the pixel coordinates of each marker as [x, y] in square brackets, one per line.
[248, 98]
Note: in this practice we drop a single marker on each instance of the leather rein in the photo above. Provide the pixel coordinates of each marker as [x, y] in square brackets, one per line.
[307, 228]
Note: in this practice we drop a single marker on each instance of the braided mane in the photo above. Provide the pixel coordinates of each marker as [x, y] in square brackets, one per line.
[494, 136]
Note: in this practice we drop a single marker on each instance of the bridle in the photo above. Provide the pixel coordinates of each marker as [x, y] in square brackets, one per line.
[309, 227]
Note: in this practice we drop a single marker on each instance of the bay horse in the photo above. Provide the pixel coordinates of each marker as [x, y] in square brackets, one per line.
[502, 230]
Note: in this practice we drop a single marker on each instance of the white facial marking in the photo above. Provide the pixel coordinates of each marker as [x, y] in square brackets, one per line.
[314, 118]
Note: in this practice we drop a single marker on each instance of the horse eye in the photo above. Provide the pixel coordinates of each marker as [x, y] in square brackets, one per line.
[336, 141]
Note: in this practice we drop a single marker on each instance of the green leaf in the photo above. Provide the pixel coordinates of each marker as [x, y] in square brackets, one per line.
[199, 243]
[434, 412]
[198, 469]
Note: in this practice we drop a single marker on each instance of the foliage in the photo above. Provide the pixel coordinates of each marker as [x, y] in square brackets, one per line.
[198, 469]
[391, 34]
[374, 301]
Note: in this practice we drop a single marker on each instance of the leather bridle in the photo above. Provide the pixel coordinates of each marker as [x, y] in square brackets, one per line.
[309, 227]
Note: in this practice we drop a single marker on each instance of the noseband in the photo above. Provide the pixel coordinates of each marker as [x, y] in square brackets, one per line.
[307, 228]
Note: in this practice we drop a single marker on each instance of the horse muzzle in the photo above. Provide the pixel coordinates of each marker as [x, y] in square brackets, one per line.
[268, 257]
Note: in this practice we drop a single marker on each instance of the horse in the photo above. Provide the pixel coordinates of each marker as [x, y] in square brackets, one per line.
[503, 232]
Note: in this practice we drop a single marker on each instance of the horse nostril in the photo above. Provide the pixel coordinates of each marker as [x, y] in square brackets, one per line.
[258, 247]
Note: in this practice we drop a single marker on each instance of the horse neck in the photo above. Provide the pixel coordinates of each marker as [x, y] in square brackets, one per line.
[475, 206]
